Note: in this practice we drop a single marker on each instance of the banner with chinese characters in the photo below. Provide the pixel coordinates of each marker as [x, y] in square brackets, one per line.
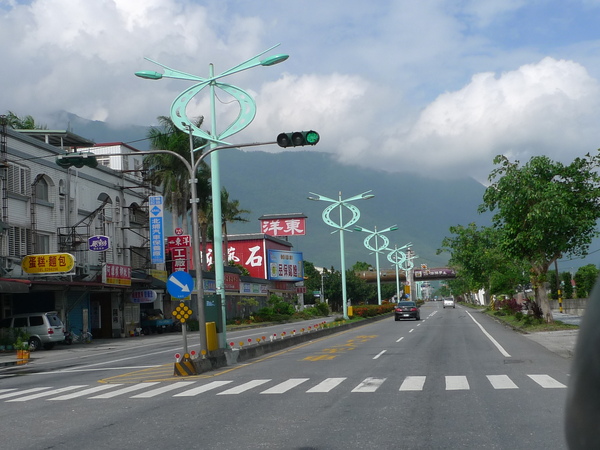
[116, 274]
[157, 246]
[48, 263]
[292, 226]
[285, 266]
[180, 249]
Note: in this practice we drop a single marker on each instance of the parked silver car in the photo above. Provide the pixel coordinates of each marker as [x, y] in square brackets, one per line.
[45, 329]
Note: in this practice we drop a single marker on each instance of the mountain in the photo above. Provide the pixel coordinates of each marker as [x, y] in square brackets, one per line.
[277, 183]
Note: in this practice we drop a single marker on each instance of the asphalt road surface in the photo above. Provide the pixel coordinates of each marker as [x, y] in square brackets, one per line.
[454, 380]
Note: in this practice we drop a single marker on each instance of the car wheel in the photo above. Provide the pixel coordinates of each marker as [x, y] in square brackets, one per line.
[396, 319]
[34, 344]
[49, 346]
[418, 318]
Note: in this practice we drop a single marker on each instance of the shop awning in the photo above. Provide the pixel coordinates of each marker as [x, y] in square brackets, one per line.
[13, 287]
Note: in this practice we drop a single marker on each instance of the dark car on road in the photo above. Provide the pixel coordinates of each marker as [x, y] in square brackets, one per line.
[407, 310]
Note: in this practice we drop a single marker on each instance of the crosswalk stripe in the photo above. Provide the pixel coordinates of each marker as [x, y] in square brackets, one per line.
[46, 393]
[326, 385]
[285, 386]
[163, 389]
[125, 390]
[6, 390]
[501, 382]
[457, 383]
[369, 385]
[85, 392]
[547, 382]
[243, 387]
[204, 388]
[27, 391]
[413, 383]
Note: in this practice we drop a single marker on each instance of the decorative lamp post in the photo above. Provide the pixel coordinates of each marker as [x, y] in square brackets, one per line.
[341, 227]
[378, 248]
[397, 257]
[408, 265]
[214, 138]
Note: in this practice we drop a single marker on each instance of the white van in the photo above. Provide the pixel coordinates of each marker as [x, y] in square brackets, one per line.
[44, 329]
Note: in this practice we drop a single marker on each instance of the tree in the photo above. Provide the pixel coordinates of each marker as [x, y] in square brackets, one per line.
[230, 213]
[22, 123]
[476, 255]
[546, 210]
[585, 278]
[167, 171]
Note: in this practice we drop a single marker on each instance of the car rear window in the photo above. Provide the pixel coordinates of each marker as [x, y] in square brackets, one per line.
[407, 304]
[54, 320]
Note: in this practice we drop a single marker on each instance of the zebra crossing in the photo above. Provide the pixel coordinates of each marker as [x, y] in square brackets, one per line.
[267, 386]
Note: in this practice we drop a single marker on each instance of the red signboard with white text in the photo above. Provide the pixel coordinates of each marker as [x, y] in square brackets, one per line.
[293, 226]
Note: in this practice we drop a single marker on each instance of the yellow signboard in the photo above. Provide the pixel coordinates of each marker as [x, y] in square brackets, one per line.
[48, 263]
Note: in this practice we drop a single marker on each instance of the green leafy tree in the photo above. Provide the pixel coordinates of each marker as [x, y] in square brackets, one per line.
[546, 210]
[170, 173]
[476, 255]
[567, 286]
[585, 278]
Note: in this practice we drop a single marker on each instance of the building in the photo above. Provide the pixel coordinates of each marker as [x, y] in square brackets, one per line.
[51, 212]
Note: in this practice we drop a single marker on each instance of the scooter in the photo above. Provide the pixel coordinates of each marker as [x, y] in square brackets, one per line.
[68, 338]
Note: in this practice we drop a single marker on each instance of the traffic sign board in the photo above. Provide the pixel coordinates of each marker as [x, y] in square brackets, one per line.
[180, 284]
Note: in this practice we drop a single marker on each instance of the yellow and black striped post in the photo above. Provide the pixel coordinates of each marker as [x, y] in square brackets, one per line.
[185, 367]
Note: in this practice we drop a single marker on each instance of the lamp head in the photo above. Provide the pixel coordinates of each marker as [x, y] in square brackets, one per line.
[367, 196]
[357, 228]
[149, 74]
[272, 60]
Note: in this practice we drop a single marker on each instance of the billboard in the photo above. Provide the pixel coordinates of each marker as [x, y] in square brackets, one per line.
[285, 266]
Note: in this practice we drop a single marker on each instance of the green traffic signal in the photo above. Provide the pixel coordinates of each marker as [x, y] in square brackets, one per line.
[298, 138]
[77, 159]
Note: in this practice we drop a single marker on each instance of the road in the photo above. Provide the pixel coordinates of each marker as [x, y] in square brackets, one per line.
[455, 379]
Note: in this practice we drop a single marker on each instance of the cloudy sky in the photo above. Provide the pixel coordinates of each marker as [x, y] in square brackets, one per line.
[435, 86]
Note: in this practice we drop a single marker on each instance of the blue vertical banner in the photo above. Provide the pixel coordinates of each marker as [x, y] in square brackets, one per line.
[157, 233]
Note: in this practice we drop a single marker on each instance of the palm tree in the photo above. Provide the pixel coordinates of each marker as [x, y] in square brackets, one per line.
[22, 123]
[230, 212]
[167, 171]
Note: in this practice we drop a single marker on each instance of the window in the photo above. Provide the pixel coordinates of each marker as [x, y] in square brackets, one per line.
[41, 190]
[35, 321]
[19, 241]
[42, 243]
[19, 179]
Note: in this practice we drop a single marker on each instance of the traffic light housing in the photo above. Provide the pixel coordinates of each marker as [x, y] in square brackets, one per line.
[77, 159]
[298, 138]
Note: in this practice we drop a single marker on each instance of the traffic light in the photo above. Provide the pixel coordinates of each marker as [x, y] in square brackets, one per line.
[298, 138]
[77, 159]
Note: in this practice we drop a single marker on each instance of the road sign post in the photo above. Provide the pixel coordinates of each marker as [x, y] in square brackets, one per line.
[180, 285]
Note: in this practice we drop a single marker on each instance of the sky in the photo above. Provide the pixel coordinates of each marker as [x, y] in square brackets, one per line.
[437, 87]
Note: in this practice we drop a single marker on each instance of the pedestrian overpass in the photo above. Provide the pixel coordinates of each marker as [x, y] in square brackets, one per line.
[389, 275]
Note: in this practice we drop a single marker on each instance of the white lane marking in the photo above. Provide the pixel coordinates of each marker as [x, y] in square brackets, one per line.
[489, 336]
[285, 386]
[163, 389]
[369, 385]
[100, 370]
[27, 391]
[501, 382]
[126, 390]
[326, 385]
[547, 382]
[243, 387]
[400, 339]
[457, 383]
[6, 390]
[411, 330]
[418, 324]
[46, 393]
[91, 390]
[204, 388]
[413, 383]
[379, 354]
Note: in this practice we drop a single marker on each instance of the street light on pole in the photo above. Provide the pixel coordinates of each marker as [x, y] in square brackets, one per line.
[397, 257]
[214, 138]
[341, 227]
[377, 249]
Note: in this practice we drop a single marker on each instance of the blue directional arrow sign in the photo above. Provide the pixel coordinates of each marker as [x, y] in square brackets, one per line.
[180, 284]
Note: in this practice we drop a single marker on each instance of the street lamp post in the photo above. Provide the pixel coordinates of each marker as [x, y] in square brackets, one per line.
[341, 227]
[408, 265]
[214, 138]
[378, 248]
[397, 257]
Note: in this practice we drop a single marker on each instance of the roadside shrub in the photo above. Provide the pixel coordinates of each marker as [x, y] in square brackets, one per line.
[509, 306]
